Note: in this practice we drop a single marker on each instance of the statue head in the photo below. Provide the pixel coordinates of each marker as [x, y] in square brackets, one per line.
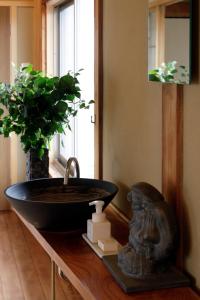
[144, 196]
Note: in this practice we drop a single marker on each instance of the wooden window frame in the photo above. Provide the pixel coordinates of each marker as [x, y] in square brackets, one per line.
[156, 3]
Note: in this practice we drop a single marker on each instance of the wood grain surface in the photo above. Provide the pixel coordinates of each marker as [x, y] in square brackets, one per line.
[25, 269]
[172, 154]
[86, 271]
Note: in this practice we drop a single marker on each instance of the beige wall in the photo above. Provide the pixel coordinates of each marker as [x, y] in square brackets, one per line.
[4, 76]
[4, 51]
[24, 52]
[12, 158]
[191, 178]
[132, 105]
[25, 33]
[132, 119]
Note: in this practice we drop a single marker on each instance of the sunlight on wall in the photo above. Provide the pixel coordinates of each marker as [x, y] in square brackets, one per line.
[12, 161]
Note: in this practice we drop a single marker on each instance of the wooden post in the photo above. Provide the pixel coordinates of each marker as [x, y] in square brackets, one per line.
[172, 153]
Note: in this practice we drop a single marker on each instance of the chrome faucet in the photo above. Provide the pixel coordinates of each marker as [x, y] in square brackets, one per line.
[68, 169]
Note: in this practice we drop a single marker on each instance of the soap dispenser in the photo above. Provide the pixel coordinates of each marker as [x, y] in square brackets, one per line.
[99, 227]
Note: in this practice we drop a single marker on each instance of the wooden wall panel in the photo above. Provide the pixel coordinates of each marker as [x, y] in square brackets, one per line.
[5, 50]
[5, 77]
[39, 40]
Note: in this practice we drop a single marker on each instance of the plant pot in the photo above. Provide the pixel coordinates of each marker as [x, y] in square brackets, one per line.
[36, 167]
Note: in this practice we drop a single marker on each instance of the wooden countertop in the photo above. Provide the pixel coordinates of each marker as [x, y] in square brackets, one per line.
[87, 272]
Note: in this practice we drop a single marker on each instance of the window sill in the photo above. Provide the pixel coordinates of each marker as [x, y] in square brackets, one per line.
[56, 169]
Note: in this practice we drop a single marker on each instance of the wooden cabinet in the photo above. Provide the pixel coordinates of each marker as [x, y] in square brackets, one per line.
[87, 272]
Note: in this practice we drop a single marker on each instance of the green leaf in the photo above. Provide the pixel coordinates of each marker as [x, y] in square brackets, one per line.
[69, 127]
[78, 95]
[60, 129]
[33, 73]
[169, 77]
[16, 129]
[82, 105]
[66, 81]
[28, 68]
[70, 97]
[40, 82]
[50, 82]
[61, 106]
[1, 111]
[6, 133]
[40, 153]
[153, 77]
[74, 113]
[153, 72]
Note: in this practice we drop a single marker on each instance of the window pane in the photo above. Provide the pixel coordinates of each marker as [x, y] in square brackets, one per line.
[66, 35]
[152, 41]
[84, 142]
[66, 63]
[76, 35]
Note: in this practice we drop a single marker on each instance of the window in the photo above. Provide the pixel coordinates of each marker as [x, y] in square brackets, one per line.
[70, 47]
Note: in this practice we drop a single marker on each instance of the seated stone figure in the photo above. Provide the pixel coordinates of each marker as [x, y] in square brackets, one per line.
[152, 236]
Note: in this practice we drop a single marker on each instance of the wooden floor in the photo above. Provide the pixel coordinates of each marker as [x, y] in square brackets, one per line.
[25, 269]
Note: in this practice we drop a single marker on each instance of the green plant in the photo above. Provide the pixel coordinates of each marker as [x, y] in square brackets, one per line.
[170, 72]
[36, 107]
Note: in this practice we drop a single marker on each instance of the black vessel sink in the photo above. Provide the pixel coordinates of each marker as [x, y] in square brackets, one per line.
[48, 204]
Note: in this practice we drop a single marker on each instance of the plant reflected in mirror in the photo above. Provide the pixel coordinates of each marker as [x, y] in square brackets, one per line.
[170, 72]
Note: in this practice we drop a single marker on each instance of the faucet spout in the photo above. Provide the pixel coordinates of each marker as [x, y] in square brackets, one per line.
[68, 169]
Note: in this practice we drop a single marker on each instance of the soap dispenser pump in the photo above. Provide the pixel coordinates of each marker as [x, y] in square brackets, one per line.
[99, 227]
[98, 216]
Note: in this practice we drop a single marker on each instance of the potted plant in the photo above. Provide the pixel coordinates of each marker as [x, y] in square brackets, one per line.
[36, 107]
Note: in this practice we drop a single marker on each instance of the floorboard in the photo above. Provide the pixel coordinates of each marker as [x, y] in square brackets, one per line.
[25, 268]
[11, 285]
[1, 291]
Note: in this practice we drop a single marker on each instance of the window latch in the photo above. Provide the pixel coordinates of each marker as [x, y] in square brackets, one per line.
[93, 119]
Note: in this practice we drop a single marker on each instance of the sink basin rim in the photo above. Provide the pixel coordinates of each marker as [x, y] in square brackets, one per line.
[40, 180]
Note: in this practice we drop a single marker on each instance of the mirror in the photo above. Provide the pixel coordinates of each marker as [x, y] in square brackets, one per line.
[169, 41]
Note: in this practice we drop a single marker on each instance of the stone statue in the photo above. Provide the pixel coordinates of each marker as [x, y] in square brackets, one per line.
[153, 234]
